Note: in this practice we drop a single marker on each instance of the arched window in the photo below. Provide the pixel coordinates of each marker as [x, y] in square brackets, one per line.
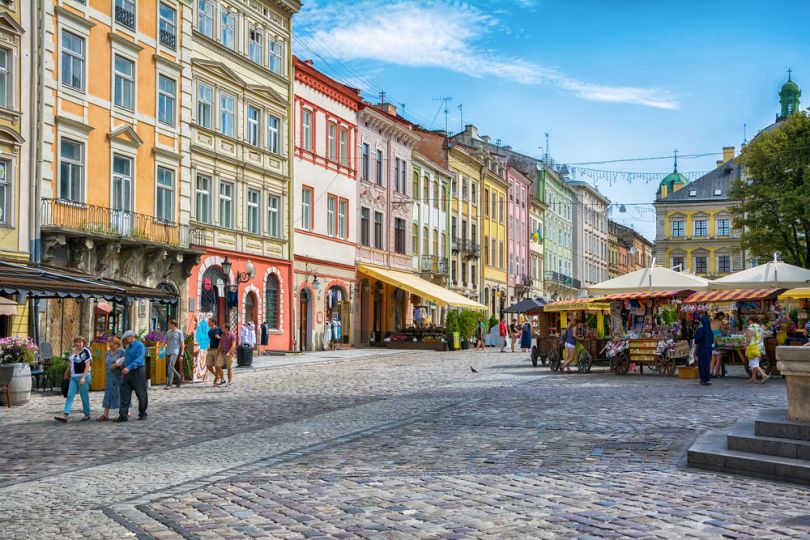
[271, 301]
[210, 289]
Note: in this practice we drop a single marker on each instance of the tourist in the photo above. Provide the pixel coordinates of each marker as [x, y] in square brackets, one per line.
[78, 371]
[227, 347]
[717, 356]
[175, 346]
[502, 332]
[704, 339]
[214, 334]
[526, 336]
[479, 335]
[569, 346]
[133, 377]
[754, 349]
[113, 360]
[514, 333]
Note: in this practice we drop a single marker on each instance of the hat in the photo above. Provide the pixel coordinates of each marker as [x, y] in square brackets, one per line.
[129, 333]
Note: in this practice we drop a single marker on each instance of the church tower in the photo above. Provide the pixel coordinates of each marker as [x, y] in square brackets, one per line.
[790, 98]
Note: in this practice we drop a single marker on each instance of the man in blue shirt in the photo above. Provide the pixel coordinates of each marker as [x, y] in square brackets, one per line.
[134, 377]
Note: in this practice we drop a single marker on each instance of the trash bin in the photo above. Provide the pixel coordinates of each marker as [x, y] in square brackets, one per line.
[244, 356]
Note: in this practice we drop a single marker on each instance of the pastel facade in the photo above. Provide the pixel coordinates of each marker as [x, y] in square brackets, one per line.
[590, 233]
[537, 209]
[558, 280]
[494, 222]
[241, 162]
[519, 279]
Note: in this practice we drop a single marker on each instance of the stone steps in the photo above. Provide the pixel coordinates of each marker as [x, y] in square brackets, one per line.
[740, 450]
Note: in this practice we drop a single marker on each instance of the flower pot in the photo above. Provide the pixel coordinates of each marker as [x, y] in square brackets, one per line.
[465, 344]
[20, 385]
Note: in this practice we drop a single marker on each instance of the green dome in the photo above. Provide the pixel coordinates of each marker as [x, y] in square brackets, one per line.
[671, 180]
[789, 87]
[789, 98]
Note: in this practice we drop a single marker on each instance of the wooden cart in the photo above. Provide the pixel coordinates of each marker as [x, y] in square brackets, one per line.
[661, 356]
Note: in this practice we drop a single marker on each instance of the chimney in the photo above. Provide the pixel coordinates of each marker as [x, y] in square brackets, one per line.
[719, 163]
[728, 153]
[471, 130]
[485, 138]
[507, 148]
[390, 108]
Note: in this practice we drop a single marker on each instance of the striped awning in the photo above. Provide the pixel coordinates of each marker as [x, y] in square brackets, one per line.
[733, 295]
[588, 304]
[643, 295]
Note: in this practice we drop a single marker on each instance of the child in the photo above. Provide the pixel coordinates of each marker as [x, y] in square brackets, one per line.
[754, 350]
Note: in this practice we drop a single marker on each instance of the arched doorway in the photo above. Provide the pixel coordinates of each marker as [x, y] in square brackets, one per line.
[251, 314]
[338, 311]
[163, 313]
[304, 320]
[212, 292]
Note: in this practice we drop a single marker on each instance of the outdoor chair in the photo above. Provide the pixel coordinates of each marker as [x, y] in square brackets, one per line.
[5, 382]
[45, 355]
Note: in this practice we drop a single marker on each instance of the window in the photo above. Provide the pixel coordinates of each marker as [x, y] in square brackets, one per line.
[486, 250]
[272, 134]
[273, 221]
[255, 45]
[205, 104]
[677, 228]
[380, 178]
[166, 100]
[723, 227]
[228, 29]
[203, 198]
[415, 239]
[454, 186]
[701, 265]
[415, 185]
[275, 50]
[425, 241]
[125, 13]
[700, 227]
[473, 276]
[253, 121]
[486, 202]
[331, 204]
[463, 189]
[399, 235]
[500, 256]
[473, 192]
[396, 174]
[122, 184]
[4, 83]
[378, 230]
[271, 301]
[226, 204]
[364, 227]
[226, 114]
[724, 264]
[253, 225]
[72, 61]
[306, 208]
[124, 82]
[436, 195]
[501, 210]
[343, 222]
[344, 146]
[403, 175]
[364, 165]
[454, 271]
[168, 26]
[4, 193]
[71, 171]
[205, 17]
[306, 129]
[164, 207]
[331, 139]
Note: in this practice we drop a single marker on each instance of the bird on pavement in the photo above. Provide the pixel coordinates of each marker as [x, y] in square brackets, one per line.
[473, 369]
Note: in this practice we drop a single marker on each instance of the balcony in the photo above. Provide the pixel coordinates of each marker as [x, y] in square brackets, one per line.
[87, 220]
[125, 17]
[456, 245]
[167, 38]
[470, 248]
[562, 279]
[432, 264]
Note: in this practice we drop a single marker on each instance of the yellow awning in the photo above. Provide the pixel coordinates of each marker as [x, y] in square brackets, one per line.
[584, 304]
[797, 294]
[421, 287]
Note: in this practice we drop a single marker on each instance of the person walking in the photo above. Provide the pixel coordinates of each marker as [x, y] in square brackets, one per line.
[704, 339]
[717, 355]
[479, 336]
[514, 333]
[175, 346]
[502, 332]
[754, 349]
[114, 360]
[526, 336]
[78, 372]
[570, 346]
[211, 356]
[227, 347]
[133, 377]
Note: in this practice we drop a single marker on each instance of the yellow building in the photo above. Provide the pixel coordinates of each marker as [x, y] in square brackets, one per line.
[493, 230]
[465, 227]
[693, 222]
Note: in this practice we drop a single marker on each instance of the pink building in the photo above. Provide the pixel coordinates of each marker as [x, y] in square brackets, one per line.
[517, 234]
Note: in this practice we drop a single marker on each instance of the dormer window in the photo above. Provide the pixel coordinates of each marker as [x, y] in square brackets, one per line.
[692, 193]
[718, 192]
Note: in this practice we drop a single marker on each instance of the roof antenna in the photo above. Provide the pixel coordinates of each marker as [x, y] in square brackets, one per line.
[745, 134]
[676, 159]
[545, 158]
[461, 111]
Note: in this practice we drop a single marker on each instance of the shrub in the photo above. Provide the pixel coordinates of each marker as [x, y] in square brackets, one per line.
[467, 322]
[493, 321]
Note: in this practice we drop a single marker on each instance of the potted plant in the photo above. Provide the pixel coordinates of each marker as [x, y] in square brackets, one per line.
[467, 321]
[18, 354]
[451, 329]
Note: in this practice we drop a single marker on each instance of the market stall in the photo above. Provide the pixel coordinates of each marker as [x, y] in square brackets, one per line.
[797, 304]
[739, 305]
[654, 279]
[771, 275]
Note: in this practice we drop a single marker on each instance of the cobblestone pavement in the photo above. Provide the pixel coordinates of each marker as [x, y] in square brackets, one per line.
[396, 447]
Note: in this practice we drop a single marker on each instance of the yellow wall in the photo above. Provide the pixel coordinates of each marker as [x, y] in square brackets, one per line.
[687, 245]
[493, 228]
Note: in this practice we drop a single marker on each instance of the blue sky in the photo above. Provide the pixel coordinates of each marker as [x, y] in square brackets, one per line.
[606, 79]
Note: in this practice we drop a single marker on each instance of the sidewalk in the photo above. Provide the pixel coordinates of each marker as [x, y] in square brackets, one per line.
[269, 361]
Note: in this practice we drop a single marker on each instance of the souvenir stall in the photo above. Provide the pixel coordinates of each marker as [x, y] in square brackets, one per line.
[797, 304]
[338, 317]
[739, 305]
[423, 334]
[647, 331]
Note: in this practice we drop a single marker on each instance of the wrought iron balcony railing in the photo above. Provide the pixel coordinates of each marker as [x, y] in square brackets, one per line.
[470, 248]
[92, 220]
[562, 279]
[168, 39]
[125, 17]
[433, 264]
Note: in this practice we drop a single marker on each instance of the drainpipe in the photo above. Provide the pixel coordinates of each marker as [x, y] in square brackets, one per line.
[291, 196]
[35, 89]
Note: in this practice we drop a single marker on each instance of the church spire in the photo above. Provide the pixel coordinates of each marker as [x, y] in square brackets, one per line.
[789, 98]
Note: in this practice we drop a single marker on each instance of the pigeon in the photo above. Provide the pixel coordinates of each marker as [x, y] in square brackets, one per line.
[473, 369]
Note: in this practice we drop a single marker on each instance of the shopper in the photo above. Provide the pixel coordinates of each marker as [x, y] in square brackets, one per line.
[175, 346]
[114, 360]
[514, 333]
[526, 336]
[754, 349]
[214, 334]
[704, 339]
[569, 346]
[717, 355]
[502, 333]
[133, 377]
[479, 336]
[227, 348]
[78, 372]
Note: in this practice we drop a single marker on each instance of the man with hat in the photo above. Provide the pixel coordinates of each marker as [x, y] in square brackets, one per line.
[134, 377]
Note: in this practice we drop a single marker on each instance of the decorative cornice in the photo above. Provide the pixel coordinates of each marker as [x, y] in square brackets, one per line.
[72, 123]
[125, 134]
[124, 42]
[10, 25]
[308, 75]
[87, 24]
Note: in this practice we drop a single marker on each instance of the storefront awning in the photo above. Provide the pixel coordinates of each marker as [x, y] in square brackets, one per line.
[732, 295]
[639, 295]
[8, 307]
[526, 306]
[587, 304]
[51, 282]
[421, 287]
[801, 293]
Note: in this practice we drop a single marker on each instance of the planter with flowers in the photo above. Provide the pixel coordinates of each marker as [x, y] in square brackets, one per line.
[155, 341]
[18, 355]
[98, 367]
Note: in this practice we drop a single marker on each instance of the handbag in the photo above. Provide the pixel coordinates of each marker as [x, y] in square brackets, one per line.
[65, 387]
[752, 351]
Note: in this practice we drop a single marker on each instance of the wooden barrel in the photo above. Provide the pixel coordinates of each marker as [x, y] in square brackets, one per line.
[20, 385]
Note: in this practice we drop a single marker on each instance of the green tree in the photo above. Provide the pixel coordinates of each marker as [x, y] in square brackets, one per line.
[774, 213]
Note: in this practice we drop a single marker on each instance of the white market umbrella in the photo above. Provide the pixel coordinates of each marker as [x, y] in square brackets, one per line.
[771, 275]
[657, 278]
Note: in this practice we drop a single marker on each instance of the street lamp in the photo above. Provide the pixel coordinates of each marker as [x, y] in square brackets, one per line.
[241, 277]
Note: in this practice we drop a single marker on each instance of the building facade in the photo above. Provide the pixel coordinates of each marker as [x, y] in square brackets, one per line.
[613, 250]
[494, 220]
[537, 209]
[519, 284]
[590, 233]
[385, 212]
[558, 280]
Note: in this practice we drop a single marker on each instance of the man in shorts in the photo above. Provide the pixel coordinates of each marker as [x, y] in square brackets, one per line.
[214, 335]
[227, 348]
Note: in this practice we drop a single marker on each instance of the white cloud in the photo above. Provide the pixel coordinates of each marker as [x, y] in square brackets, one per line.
[444, 35]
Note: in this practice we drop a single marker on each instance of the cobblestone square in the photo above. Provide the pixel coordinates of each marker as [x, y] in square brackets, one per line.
[399, 446]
